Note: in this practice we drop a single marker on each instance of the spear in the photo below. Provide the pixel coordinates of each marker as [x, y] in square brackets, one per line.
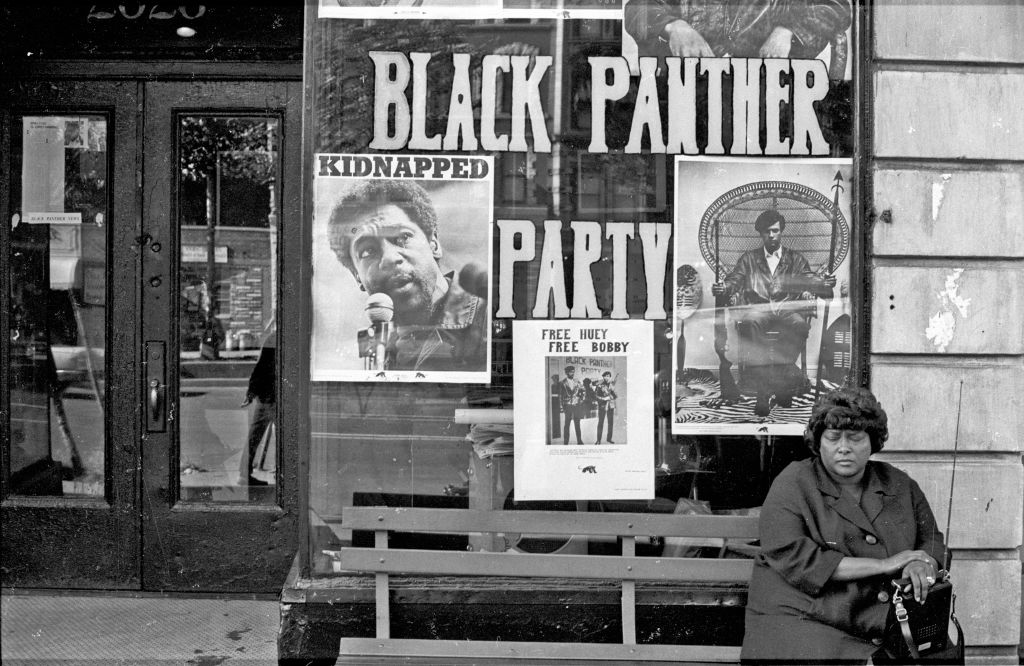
[729, 392]
[837, 187]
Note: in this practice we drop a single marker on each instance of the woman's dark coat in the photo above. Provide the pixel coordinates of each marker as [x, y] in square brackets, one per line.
[807, 526]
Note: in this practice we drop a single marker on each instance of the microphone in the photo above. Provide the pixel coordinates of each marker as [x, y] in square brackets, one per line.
[380, 309]
[473, 279]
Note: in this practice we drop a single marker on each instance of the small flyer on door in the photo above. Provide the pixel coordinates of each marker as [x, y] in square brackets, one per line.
[584, 409]
[401, 259]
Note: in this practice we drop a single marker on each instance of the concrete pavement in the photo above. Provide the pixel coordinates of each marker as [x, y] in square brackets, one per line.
[41, 629]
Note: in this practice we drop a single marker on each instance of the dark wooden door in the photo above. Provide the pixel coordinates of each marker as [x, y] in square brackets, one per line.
[221, 183]
[69, 352]
[147, 244]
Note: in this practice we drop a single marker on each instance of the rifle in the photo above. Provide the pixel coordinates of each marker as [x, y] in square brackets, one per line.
[730, 393]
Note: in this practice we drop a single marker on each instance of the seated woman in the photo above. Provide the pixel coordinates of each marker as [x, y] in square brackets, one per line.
[835, 529]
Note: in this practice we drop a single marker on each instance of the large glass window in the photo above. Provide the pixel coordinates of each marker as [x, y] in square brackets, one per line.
[228, 224]
[629, 187]
[57, 267]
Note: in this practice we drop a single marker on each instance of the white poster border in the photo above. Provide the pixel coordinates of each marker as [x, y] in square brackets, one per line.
[334, 285]
[686, 247]
[468, 10]
[546, 469]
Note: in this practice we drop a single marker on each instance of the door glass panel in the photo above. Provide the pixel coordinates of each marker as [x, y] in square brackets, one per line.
[228, 194]
[57, 265]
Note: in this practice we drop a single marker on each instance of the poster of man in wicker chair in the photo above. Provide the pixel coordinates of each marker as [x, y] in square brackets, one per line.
[762, 282]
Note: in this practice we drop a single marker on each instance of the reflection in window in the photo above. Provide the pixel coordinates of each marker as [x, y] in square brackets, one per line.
[227, 204]
[57, 265]
[413, 445]
[620, 183]
[524, 180]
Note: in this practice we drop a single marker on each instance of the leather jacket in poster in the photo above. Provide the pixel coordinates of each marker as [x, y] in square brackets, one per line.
[753, 282]
[738, 28]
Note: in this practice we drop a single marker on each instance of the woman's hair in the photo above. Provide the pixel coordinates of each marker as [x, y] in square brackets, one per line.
[848, 409]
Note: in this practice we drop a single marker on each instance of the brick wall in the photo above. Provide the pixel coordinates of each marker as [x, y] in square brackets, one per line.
[247, 276]
[947, 301]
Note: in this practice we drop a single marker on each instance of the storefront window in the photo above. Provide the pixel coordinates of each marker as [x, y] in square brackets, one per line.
[557, 266]
[228, 219]
[57, 266]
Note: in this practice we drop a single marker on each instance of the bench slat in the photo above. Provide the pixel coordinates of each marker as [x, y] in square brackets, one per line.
[548, 522]
[508, 650]
[628, 604]
[455, 563]
[382, 594]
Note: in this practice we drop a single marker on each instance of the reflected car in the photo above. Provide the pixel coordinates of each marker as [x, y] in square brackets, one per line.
[28, 364]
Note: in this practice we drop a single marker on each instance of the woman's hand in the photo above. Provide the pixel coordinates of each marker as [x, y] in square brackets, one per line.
[900, 560]
[922, 577]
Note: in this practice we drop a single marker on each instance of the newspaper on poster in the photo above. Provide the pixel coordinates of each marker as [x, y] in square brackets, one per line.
[401, 268]
[584, 409]
[762, 316]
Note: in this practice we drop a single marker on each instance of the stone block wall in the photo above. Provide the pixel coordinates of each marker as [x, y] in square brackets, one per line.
[947, 270]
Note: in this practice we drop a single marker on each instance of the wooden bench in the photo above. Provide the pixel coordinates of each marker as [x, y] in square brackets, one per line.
[626, 568]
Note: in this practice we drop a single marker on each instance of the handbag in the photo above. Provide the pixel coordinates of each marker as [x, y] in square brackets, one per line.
[918, 633]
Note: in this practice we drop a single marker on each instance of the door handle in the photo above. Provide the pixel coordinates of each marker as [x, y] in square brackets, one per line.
[155, 369]
[154, 399]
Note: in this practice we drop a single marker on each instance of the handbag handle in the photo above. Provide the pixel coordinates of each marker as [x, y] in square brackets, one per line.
[904, 620]
[903, 617]
[956, 623]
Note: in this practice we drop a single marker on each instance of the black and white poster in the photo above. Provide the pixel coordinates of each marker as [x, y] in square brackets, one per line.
[401, 279]
[470, 9]
[409, 9]
[584, 409]
[762, 312]
[815, 30]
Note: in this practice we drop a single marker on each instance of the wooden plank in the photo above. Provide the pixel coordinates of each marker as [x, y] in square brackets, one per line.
[992, 417]
[922, 114]
[986, 601]
[986, 496]
[629, 596]
[513, 650]
[484, 476]
[456, 563]
[947, 310]
[949, 30]
[938, 212]
[548, 522]
[381, 591]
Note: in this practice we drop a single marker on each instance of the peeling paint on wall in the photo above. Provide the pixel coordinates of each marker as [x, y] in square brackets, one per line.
[938, 194]
[942, 325]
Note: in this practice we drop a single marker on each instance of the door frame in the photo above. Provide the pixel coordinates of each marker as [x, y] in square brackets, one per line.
[211, 546]
[83, 542]
[110, 555]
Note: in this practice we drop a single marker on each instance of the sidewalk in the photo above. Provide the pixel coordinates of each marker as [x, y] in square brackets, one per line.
[99, 630]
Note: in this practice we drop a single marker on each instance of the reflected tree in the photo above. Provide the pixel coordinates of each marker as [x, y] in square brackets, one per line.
[213, 148]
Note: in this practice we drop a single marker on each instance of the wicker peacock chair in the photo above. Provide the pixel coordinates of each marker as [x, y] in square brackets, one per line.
[814, 228]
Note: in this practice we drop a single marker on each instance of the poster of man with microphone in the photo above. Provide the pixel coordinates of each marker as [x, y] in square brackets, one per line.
[401, 280]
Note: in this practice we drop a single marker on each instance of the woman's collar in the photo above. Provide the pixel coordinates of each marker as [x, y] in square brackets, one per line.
[876, 479]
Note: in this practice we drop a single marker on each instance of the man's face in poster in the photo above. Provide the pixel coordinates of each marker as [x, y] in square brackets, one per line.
[771, 237]
[392, 255]
[570, 372]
